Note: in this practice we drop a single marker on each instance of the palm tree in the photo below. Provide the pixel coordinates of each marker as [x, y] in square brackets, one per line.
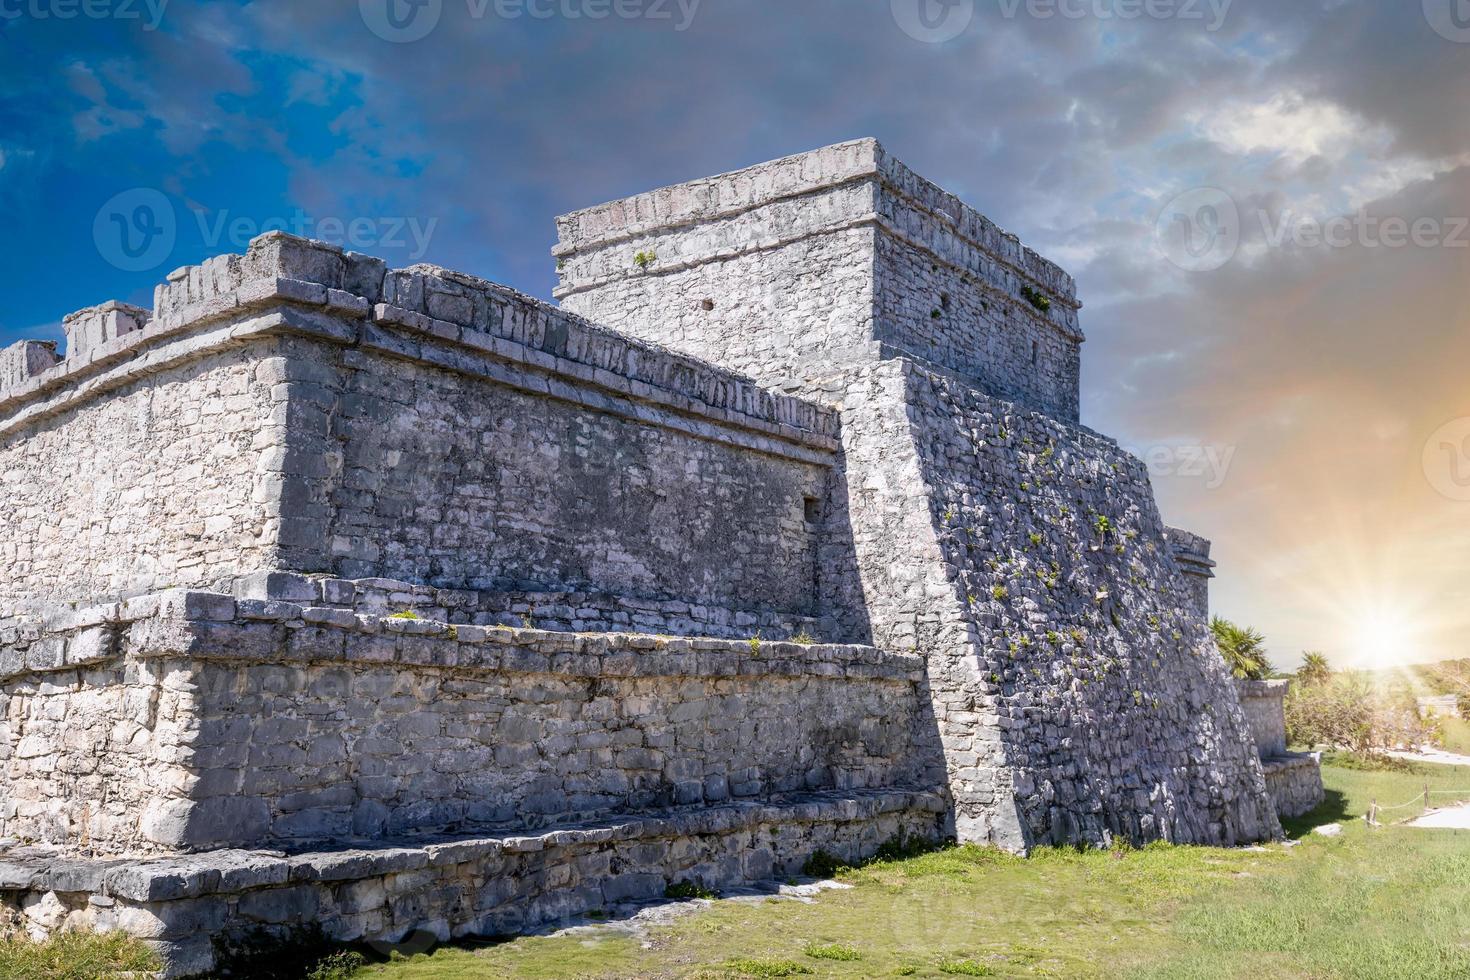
[1243, 649]
[1314, 669]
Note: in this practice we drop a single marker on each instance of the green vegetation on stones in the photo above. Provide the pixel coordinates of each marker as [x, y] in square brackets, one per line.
[684, 890]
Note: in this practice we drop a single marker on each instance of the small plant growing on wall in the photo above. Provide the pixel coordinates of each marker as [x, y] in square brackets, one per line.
[1036, 298]
[645, 259]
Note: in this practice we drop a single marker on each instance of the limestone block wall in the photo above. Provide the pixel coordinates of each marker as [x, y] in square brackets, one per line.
[1192, 555]
[87, 739]
[1264, 705]
[1294, 779]
[161, 480]
[792, 268]
[266, 722]
[304, 409]
[1077, 695]
[568, 612]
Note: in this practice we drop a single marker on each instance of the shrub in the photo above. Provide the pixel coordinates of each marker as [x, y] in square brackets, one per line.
[767, 968]
[966, 968]
[1350, 712]
[687, 890]
[832, 951]
[341, 965]
[822, 865]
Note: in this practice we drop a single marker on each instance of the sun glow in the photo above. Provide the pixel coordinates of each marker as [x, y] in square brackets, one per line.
[1386, 638]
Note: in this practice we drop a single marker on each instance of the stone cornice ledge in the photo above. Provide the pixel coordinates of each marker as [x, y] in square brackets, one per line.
[288, 306]
[209, 626]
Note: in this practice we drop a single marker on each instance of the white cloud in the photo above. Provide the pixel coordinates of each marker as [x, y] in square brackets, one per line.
[1287, 125]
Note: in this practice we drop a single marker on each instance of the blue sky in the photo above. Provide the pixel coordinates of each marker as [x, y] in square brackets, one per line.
[1310, 382]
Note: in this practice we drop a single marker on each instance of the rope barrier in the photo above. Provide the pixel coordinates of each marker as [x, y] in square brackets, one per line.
[1374, 809]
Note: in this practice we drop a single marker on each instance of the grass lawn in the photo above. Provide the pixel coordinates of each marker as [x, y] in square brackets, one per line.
[1456, 735]
[1376, 905]
[1369, 904]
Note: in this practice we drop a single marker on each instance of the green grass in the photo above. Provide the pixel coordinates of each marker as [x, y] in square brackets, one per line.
[1456, 735]
[833, 951]
[1368, 905]
[74, 956]
[1351, 786]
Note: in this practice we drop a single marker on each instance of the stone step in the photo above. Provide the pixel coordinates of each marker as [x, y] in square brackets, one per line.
[199, 908]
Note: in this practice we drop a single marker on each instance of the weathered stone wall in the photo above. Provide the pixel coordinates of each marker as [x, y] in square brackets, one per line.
[1294, 780]
[281, 723]
[193, 909]
[86, 739]
[1070, 673]
[938, 312]
[1192, 555]
[566, 612]
[280, 422]
[1264, 705]
[793, 268]
[449, 481]
[1077, 695]
[156, 483]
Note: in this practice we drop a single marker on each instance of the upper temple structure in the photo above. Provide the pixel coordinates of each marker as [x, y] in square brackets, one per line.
[391, 600]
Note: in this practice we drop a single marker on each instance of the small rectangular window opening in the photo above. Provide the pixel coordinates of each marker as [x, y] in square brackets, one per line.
[811, 509]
